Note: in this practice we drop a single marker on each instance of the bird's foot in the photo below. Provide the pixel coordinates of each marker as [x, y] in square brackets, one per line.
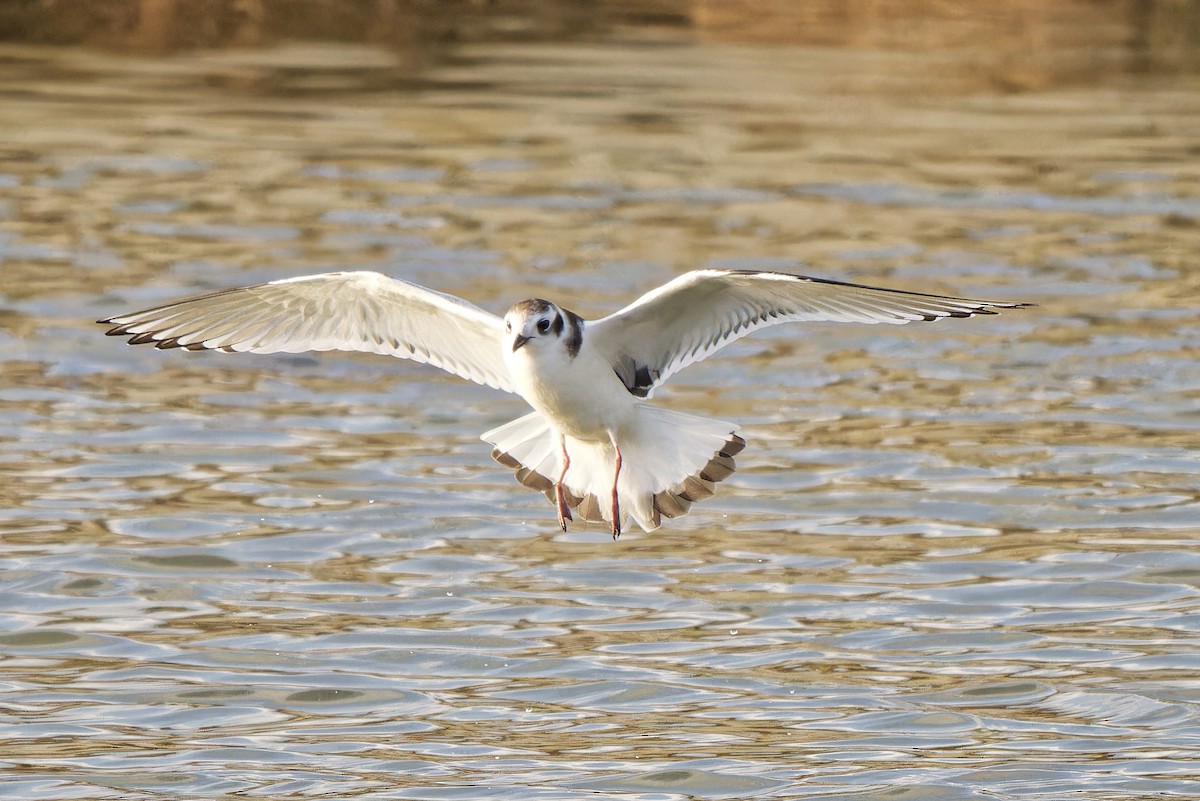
[560, 495]
[564, 511]
[616, 504]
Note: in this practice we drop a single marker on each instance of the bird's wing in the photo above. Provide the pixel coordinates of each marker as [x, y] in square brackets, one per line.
[701, 312]
[357, 311]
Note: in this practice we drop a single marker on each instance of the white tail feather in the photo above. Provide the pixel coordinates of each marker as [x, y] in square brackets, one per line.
[669, 460]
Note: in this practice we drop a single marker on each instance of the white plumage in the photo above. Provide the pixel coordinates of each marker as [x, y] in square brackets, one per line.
[593, 445]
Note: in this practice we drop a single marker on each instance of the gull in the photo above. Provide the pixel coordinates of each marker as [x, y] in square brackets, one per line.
[593, 444]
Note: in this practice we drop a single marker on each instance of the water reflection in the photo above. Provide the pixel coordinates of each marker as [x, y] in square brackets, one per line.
[956, 562]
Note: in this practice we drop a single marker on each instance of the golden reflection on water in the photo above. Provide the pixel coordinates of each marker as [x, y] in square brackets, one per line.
[950, 556]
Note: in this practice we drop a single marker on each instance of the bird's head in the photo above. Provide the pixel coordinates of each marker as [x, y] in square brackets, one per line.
[533, 320]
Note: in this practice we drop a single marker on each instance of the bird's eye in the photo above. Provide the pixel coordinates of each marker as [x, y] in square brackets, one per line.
[543, 326]
[508, 326]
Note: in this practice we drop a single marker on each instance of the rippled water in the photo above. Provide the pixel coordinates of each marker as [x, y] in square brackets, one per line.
[958, 561]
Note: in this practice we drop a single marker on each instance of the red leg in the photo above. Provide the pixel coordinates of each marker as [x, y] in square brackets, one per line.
[616, 506]
[564, 511]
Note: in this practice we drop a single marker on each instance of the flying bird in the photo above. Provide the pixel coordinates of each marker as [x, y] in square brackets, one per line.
[593, 444]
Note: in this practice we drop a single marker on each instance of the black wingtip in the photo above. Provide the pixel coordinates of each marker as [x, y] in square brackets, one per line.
[991, 308]
[834, 282]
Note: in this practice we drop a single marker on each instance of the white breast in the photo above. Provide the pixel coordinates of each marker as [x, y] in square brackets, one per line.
[580, 395]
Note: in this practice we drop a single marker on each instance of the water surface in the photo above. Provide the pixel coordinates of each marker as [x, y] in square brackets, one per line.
[958, 561]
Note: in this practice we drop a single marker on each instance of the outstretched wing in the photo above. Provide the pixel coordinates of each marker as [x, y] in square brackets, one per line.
[356, 311]
[701, 312]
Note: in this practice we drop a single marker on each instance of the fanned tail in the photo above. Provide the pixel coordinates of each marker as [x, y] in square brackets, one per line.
[670, 460]
[530, 446]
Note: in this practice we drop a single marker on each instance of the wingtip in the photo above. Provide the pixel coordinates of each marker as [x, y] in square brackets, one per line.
[116, 330]
[992, 307]
[995, 307]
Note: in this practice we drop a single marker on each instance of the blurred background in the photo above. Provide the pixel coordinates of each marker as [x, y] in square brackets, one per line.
[1018, 36]
[957, 561]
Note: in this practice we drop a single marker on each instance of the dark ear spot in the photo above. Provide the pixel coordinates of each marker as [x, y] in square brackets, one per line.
[558, 325]
[574, 337]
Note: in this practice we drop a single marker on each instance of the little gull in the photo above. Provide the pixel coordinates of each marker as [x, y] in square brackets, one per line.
[593, 445]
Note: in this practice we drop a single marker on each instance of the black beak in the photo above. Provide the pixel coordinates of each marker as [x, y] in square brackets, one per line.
[518, 341]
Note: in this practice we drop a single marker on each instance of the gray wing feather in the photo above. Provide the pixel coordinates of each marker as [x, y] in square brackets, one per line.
[352, 311]
[701, 312]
